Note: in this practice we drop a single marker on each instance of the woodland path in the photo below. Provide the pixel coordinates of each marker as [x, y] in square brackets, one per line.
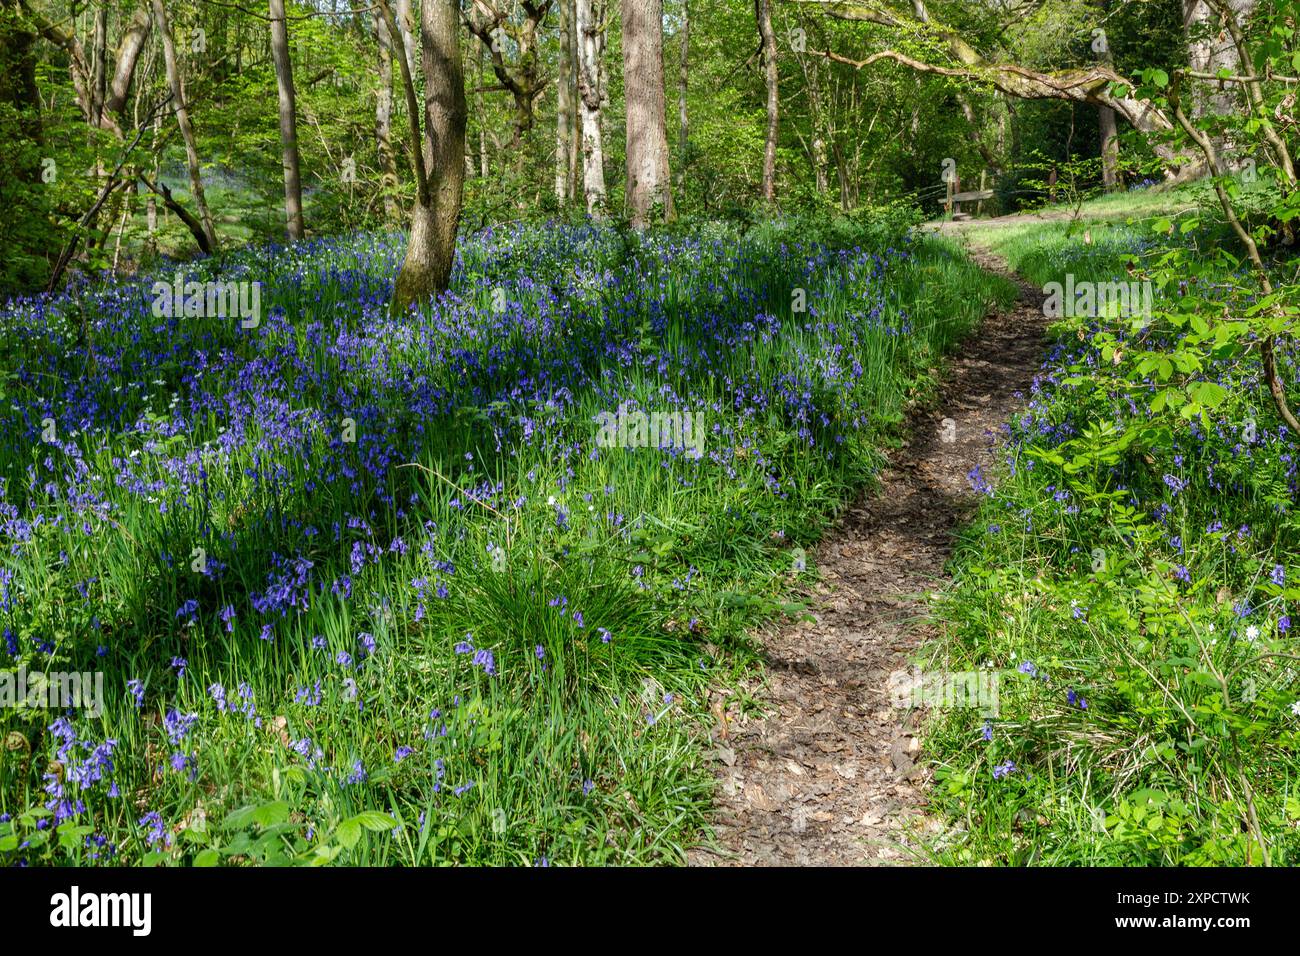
[833, 774]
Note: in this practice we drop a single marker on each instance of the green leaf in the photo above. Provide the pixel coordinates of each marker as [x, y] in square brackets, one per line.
[374, 821]
[265, 815]
[1209, 394]
[348, 833]
[325, 854]
[70, 837]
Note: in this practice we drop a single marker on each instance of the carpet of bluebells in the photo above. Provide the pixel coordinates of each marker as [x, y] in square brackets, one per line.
[364, 589]
[1132, 578]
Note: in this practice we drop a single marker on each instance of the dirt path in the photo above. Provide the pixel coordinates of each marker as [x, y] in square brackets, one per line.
[833, 774]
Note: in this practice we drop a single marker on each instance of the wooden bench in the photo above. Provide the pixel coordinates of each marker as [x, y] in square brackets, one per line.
[954, 199]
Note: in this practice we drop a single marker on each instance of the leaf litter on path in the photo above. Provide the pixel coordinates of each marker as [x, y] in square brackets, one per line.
[832, 774]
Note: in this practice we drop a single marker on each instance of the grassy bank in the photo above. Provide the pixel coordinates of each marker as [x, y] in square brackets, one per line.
[1132, 580]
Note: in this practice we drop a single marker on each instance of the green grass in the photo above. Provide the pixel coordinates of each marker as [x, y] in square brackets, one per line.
[576, 750]
[1141, 576]
[1135, 203]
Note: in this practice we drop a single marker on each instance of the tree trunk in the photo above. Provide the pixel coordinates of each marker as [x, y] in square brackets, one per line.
[406, 27]
[564, 107]
[522, 79]
[183, 120]
[169, 202]
[842, 175]
[431, 247]
[483, 165]
[818, 154]
[79, 67]
[1210, 49]
[128, 52]
[1109, 148]
[767, 39]
[602, 70]
[575, 111]
[591, 47]
[288, 121]
[151, 204]
[648, 184]
[1107, 134]
[384, 118]
[99, 62]
[683, 82]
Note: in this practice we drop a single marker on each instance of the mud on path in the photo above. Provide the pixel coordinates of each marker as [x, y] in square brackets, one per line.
[833, 774]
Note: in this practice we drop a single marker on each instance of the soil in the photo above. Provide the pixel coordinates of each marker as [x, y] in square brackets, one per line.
[833, 774]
